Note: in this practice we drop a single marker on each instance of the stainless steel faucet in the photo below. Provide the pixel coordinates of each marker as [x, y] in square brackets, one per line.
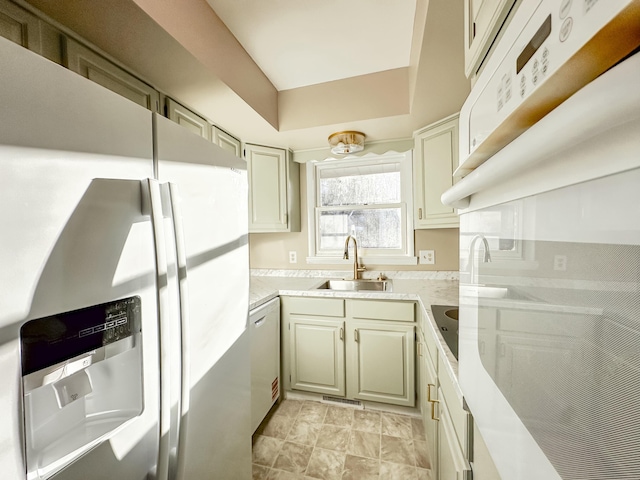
[485, 259]
[356, 268]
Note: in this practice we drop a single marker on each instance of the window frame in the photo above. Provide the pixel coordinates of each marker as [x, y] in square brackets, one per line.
[403, 256]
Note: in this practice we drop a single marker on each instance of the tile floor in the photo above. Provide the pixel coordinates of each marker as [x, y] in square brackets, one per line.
[303, 439]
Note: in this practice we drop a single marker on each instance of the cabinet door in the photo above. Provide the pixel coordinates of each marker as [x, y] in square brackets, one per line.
[227, 142]
[436, 159]
[381, 362]
[83, 61]
[430, 422]
[428, 396]
[187, 119]
[19, 26]
[482, 19]
[270, 175]
[452, 464]
[316, 347]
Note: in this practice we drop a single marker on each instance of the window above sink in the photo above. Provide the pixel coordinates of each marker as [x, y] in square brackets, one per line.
[367, 197]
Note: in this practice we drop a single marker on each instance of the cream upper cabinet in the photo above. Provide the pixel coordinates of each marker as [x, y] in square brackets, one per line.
[227, 142]
[187, 119]
[89, 64]
[274, 190]
[19, 26]
[482, 20]
[436, 158]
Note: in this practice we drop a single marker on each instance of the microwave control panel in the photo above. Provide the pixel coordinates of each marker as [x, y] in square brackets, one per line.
[536, 66]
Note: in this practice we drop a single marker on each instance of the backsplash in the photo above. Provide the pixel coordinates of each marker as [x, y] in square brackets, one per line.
[392, 274]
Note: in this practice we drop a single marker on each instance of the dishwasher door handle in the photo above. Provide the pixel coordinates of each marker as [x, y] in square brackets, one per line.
[259, 321]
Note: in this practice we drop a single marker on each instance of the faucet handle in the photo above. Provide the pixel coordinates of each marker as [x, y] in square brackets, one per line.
[382, 276]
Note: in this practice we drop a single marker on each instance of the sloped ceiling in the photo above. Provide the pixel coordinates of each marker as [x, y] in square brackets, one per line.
[288, 72]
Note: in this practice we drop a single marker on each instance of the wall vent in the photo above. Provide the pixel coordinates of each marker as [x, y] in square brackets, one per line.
[343, 401]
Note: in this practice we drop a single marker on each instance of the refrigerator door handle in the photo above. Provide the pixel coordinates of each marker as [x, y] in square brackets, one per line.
[157, 222]
[181, 256]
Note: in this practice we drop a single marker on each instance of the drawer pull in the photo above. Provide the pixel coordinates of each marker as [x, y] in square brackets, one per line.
[429, 399]
[433, 410]
[355, 335]
[342, 334]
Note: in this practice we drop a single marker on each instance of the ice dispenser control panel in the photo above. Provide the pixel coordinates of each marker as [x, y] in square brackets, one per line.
[82, 379]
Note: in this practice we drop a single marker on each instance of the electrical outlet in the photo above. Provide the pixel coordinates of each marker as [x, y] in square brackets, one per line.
[560, 262]
[427, 257]
[293, 257]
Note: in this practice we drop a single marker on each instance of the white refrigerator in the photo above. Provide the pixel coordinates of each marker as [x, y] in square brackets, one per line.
[123, 287]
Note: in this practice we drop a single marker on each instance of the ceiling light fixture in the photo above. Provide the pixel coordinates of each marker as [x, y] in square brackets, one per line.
[342, 143]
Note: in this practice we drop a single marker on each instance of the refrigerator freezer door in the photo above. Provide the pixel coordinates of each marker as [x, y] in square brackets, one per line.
[213, 196]
[72, 155]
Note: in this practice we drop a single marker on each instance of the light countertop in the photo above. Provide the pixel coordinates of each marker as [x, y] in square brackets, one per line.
[425, 288]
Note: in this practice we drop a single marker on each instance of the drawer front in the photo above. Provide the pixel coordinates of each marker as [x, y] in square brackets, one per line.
[323, 307]
[430, 339]
[461, 419]
[383, 310]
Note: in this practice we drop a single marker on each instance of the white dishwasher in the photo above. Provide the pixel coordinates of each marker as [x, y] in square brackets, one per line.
[265, 359]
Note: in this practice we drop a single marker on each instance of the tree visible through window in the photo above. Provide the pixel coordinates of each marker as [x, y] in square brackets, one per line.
[364, 198]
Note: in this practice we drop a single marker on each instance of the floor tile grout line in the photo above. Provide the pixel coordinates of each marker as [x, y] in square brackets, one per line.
[321, 423]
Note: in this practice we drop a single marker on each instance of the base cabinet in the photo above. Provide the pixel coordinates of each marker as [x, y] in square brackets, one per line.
[452, 463]
[382, 359]
[428, 379]
[448, 425]
[329, 348]
[317, 355]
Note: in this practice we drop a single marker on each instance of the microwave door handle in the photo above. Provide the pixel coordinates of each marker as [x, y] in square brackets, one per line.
[162, 298]
[184, 398]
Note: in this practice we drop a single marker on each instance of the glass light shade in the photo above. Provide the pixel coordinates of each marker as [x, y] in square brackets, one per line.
[342, 143]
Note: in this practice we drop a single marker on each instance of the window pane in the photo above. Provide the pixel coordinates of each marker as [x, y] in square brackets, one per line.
[373, 228]
[366, 189]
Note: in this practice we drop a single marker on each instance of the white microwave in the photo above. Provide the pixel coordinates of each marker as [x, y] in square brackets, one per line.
[549, 346]
[549, 50]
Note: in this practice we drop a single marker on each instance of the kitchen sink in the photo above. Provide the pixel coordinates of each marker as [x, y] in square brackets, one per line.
[357, 285]
[446, 317]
